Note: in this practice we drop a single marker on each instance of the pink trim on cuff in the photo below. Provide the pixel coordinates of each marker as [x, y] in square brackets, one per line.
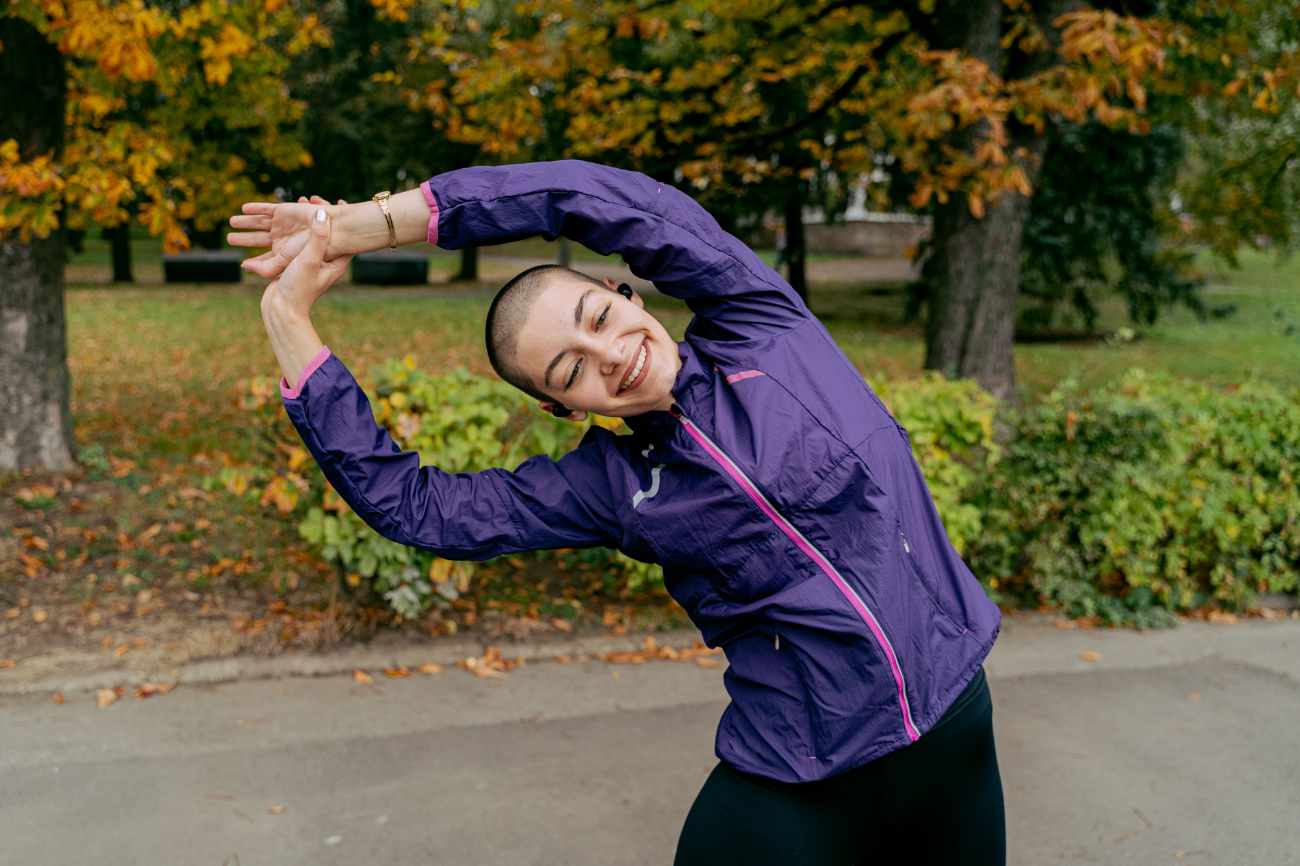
[292, 393]
[432, 232]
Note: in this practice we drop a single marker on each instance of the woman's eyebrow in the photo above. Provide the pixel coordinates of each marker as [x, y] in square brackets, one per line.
[577, 323]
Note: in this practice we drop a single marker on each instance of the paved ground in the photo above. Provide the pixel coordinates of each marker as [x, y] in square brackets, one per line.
[1169, 747]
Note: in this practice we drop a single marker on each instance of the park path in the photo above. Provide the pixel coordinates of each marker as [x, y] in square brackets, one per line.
[1116, 747]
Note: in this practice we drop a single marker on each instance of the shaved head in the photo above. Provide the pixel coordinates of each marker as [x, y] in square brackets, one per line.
[508, 313]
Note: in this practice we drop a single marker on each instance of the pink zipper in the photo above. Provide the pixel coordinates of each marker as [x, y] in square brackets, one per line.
[815, 555]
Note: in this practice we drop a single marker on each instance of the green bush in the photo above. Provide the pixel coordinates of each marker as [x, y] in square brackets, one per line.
[458, 422]
[950, 423]
[1151, 496]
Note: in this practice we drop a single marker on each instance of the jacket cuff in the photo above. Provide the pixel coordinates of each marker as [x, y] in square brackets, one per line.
[432, 232]
[289, 393]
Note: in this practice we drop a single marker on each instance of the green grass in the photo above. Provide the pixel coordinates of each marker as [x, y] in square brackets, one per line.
[154, 354]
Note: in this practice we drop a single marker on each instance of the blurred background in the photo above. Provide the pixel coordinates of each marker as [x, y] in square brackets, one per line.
[1055, 237]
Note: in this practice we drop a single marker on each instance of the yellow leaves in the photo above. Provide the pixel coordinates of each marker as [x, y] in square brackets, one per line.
[282, 493]
[976, 205]
[230, 44]
[458, 573]
[393, 10]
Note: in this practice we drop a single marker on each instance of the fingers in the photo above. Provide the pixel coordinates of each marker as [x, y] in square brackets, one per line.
[249, 239]
[332, 270]
[268, 265]
[257, 222]
[313, 254]
[259, 207]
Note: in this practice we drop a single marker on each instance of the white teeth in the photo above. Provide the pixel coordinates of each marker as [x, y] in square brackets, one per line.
[636, 369]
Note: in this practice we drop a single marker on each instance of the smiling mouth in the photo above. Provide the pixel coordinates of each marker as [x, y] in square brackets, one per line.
[637, 369]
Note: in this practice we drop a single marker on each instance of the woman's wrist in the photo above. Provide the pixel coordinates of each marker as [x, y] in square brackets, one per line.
[293, 337]
[361, 227]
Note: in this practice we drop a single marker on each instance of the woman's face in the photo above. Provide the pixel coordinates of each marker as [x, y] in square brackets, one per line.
[581, 345]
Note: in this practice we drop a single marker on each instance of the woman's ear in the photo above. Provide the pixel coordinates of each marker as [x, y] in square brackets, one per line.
[574, 414]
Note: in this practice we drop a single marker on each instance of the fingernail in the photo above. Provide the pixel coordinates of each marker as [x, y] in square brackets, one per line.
[320, 214]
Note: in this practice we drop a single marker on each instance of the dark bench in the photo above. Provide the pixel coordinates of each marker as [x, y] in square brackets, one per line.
[399, 267]
[203, 266]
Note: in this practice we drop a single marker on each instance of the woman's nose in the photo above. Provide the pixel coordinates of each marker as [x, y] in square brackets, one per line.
[613, 356]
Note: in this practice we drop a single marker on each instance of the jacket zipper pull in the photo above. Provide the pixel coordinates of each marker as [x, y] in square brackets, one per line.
[675, 410]
[777, 641]
[906, 547]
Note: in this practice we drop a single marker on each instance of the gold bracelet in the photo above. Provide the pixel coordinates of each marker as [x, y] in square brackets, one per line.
[381, 199]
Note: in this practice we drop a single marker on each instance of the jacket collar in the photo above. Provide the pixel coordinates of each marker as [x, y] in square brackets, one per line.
[691, 383]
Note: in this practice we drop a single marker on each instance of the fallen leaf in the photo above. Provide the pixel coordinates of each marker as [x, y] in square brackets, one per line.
[7, 664]
[1090, 656]
[397, 672]
[430, 668]
[57, 697]
[104, 697]
[1193, 696]
[706, 662]
[362, 677]
[121, 650]
[562, 624]
[148, 690]
[277, 809]
[39, 615]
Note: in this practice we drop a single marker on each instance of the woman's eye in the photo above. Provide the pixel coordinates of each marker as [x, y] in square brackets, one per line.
[601, 320]
[574, 377]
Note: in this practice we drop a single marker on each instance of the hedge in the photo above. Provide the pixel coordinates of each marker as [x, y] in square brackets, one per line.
[1153, 496]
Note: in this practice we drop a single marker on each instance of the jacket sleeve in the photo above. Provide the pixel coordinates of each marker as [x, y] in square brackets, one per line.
[543, 503]
[663, 234]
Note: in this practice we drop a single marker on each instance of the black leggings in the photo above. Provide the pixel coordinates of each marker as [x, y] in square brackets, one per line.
[938, 800]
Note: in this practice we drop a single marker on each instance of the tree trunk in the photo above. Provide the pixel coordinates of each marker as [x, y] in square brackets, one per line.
[120, 236]
[974, 275]
[796, 245]
[973, 270]
[468, 264]
[35, 421]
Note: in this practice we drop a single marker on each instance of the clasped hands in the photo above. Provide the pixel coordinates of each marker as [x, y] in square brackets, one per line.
[298, 263]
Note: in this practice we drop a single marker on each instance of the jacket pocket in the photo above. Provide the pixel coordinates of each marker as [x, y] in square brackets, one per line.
[753, 567]
[915, 575]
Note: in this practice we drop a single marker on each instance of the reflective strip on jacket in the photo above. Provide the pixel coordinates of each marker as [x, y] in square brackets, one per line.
[779, 495]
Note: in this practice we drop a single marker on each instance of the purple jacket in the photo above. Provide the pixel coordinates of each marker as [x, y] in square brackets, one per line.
[779, 495]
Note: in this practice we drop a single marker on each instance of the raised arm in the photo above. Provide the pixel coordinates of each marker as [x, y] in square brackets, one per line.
[542, 503]
[663, 234]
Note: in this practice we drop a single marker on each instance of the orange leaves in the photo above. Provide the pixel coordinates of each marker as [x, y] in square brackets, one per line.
[107, 697]
[489, 665]
[652, 651]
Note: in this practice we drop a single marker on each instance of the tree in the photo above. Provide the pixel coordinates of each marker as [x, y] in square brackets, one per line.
[35, 425]
[152, 109]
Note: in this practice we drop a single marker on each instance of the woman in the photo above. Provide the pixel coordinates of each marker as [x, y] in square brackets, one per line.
[779, 494]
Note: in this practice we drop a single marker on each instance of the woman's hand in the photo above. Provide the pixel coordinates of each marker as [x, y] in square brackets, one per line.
[308, 276]
[282, 226]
